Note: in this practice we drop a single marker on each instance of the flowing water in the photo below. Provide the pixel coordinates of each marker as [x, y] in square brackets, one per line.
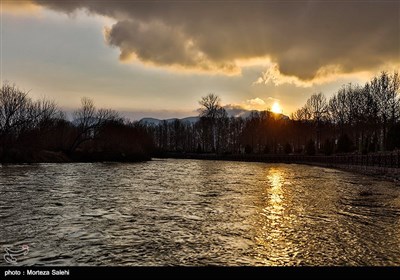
[191, 212]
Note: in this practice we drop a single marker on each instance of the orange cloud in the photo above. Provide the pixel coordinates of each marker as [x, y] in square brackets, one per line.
[324, 75]
[248, 105]
[20, 7]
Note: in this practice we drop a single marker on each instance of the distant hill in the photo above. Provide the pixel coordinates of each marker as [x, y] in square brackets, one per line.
[191, 120]
[90, 121]
[150, 121]
[155, 122]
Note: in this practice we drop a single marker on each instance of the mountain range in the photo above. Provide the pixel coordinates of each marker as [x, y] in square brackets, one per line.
[155, 122]
[190, 120]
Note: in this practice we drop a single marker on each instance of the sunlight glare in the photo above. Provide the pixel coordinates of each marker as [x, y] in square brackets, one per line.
[276, 108]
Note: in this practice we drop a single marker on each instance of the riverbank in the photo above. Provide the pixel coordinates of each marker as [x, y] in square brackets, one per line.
[382, 166]
[384, 173]
[45, 156]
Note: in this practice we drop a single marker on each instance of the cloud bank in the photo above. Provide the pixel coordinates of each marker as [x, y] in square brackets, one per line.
[244, 108]
[302, 40]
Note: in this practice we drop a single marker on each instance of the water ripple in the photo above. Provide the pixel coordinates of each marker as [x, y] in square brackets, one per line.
[189, 212]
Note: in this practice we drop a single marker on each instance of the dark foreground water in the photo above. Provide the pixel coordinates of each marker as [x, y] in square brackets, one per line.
[189, 212]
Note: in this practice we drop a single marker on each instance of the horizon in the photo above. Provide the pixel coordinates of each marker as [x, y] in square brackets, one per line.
[133, 116]
[151, 59]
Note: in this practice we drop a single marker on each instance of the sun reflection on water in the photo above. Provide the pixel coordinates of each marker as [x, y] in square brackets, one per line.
[275, 222]
[275, 206]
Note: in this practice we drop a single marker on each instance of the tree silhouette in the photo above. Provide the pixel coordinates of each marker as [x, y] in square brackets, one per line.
[213, 119]
[89, 122]
[317, 108]
[356, 119]
[36, 131]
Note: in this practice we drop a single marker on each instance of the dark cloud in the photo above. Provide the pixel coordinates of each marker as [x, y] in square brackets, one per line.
[301, 37]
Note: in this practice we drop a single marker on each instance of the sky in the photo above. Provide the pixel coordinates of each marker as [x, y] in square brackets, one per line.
[158, 58]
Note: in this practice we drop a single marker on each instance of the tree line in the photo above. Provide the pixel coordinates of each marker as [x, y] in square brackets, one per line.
[356, 119]
[39, 131]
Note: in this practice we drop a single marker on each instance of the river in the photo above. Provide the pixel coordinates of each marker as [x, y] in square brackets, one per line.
[192, 212]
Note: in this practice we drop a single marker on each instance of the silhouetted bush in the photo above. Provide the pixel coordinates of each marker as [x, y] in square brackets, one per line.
[393, 138]
[288, 148]
[248, 149]
[373, 146]
[199, 149]
[345, 145]
[328, 147]
[310, 148]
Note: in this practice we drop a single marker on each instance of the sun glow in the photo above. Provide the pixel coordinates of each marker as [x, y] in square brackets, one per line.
[276, 108]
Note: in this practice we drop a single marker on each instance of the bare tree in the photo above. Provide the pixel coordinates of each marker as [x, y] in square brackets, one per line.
[84, 117]
[211, 113]
[384, 90]
[43, 112]
[337, 109]
[24, 123]
[393, 92]
[89, 121]
[317, 106]
[210, 105]
[302, 114]
[14, 109]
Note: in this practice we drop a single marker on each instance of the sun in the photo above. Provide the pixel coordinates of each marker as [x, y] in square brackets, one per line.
[276, 108]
